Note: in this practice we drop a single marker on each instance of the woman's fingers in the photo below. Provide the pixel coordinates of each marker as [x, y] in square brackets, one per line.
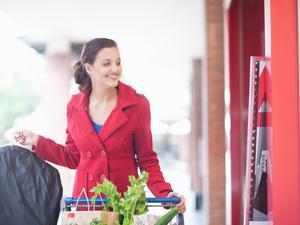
[181, 205]
[26, 138]
[20, 137]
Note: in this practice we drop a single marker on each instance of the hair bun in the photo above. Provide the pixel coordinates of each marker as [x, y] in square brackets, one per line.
[79, 72]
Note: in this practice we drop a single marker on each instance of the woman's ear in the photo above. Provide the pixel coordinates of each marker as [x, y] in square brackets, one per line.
[88, 67]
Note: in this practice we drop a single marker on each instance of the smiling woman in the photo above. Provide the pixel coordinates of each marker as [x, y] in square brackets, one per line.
[122, 145]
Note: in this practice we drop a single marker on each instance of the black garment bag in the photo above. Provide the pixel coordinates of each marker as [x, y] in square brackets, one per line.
[30, 188]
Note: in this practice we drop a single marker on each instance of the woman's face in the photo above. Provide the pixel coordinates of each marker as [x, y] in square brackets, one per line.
[106, 70]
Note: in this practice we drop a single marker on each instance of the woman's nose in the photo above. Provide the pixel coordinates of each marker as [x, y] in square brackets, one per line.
[114, 67]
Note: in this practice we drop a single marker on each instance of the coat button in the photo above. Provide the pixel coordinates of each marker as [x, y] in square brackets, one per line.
[89, 154]
[91, 178]
[103, 153]
[103, 177]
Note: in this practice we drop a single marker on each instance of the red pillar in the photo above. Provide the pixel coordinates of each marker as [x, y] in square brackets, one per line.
[245, 22]
[236, 110]
[285, 115]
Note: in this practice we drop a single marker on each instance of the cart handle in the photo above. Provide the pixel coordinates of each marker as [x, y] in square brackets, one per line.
[71, 200]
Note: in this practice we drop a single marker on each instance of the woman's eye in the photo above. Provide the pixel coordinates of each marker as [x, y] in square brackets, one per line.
[118, 63]
[106, 64]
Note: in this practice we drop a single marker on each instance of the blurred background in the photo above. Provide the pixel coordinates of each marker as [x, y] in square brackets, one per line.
[191, 59]
[159, 42]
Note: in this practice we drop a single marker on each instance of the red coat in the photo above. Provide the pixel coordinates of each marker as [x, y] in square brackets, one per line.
[123, 144]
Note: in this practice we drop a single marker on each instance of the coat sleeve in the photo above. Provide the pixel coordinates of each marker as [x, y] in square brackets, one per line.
[66, 155]
[147, 157]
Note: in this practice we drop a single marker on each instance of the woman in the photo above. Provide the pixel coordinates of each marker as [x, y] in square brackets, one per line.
[108, 129]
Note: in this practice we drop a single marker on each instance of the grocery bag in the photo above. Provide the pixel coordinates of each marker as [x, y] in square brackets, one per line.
[85, 215]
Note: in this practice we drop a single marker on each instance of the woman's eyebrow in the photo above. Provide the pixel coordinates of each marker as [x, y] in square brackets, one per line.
[111, 59]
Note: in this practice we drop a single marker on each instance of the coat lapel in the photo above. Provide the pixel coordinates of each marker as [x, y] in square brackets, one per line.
[117, 118]
[84, 123]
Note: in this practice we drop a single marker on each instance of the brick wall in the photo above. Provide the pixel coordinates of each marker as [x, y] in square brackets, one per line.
[215, 113]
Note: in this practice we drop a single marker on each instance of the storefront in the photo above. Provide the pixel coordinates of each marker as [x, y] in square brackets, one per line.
[267, 29]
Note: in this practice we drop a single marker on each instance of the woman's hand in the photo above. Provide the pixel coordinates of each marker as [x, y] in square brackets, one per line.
[181, 206]
[26, 137]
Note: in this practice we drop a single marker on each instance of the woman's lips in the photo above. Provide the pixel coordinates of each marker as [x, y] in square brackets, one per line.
[114, 77]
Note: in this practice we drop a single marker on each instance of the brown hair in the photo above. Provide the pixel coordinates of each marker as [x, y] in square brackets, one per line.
[88, 55]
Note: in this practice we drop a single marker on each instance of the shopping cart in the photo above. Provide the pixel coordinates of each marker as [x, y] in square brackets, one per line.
[71, 202]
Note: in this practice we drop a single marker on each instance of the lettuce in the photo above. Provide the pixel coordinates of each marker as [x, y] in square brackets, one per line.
[134, 201]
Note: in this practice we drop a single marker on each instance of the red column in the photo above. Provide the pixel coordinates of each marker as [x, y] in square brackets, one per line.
[237, 130]
[245, 22]
[285, 116]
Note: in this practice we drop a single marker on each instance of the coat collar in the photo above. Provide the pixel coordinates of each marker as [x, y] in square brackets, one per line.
[126, 97]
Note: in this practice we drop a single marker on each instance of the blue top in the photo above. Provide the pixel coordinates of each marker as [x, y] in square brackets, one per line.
[97, 127]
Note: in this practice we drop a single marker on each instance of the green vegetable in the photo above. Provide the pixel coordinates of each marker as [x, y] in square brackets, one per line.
[110, 190]
[167, 217]
[95, 221]
[133, 203]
